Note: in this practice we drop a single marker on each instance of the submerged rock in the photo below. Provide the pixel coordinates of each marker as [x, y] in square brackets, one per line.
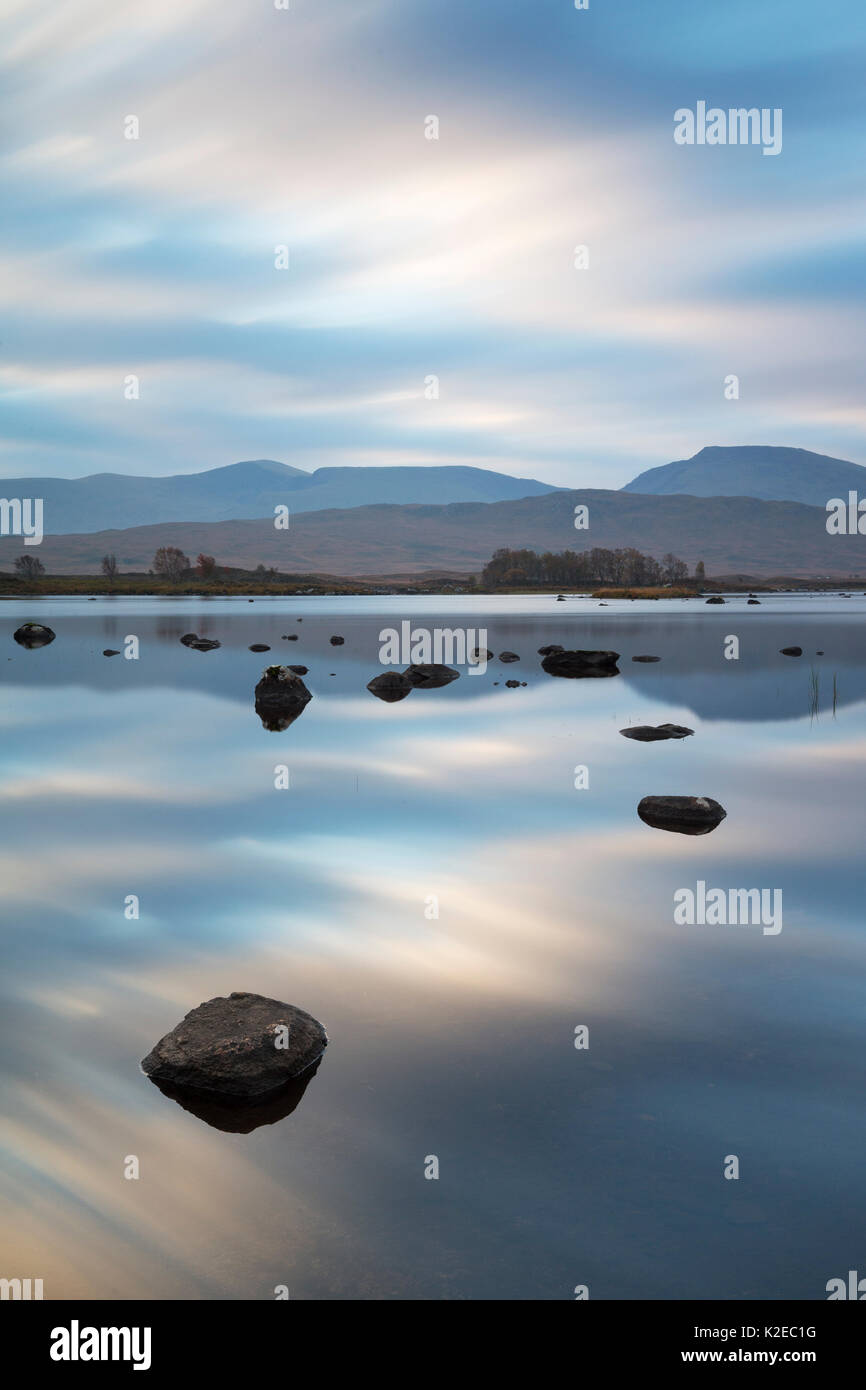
[508, 656]
[579, 664]
[791, 651]
[290, 637]
[259, 647]
[390, 686]
[651, 733]
[32, 635]
[430, 675]
[241, 1050]
[199, 644]
[687, 815]
[280, 697]
[337, 641]
[646, 658]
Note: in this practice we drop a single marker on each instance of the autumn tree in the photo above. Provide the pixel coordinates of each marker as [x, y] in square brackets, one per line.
[170, 563]
[28, 567]
[206, 566]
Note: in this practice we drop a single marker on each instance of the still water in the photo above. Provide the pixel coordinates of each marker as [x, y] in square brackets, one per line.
[453, 1035]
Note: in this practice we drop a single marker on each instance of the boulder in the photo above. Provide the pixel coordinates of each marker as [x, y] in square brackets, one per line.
[299, 670]
[754, 601]
[32, 635]
[337, 641]
[513, 685]
[390, 686]
[243, 1049]
[259, 647]
[280, 697]
[290, 637]
[548, 651]
[205, 644]
[716, 599]
[508, 656]
[646, 658]
[686, 815]
[652, 733]
[579, 664]
[109, 651]
[430, 676]
[791, 651]
[189, 638]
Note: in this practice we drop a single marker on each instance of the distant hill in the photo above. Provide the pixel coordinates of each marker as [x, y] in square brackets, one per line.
[730, 534]
[113, 501]
[755, 470]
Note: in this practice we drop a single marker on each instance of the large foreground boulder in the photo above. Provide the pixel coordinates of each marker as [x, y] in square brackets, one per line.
[280, 697]
[31, 635]
[242, 1050]
[390, 686]
[580, 664]
[687, 815]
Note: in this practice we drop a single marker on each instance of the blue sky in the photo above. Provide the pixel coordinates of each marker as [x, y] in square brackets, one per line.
[412, 257]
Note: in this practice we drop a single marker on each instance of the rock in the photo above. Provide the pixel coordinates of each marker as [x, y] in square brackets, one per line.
[299, 670]
[259, 647]
[508, 656]
[280, 697]
[646, 658]
[109, 651]
[205, 644]
[754, 601]
[293, 637]
[33, 635]
[189, 638]
[430, 676]
[548, 651]
[244, 1049]
[479, 654]
[791, 651]
[513, 685]
[337, 641]
[390, 686]
[580, 664]
[718, 599]
[686, 815]
[819, 653]
[649, 733]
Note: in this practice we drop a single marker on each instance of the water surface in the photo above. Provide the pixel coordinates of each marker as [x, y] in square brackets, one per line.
[453, 1035]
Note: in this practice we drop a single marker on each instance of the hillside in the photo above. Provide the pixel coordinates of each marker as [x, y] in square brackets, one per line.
[113, 501]
[731, 535]
[755, 470]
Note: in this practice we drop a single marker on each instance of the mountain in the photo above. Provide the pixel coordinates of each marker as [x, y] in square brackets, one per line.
[755, 470]
[732, 535]
[252, 489]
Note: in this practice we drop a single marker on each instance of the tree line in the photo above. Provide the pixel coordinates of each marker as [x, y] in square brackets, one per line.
[568, 568]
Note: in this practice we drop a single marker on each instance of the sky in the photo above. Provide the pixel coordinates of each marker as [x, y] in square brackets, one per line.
[412, 258]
